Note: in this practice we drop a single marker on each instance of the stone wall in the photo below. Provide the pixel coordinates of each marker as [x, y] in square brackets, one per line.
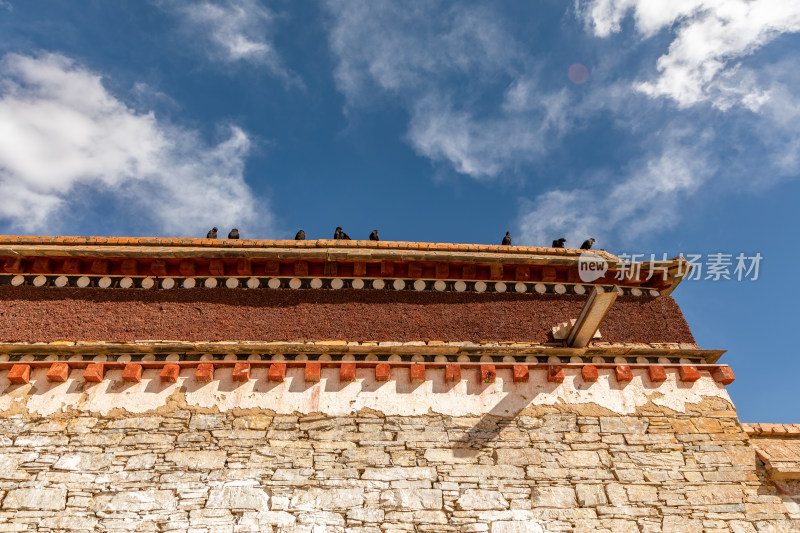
[564, 466]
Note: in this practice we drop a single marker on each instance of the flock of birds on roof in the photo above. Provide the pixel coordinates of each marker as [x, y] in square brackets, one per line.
[341, 235]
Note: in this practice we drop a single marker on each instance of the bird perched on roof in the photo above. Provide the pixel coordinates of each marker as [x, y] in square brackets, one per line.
[559, 243]
[300, 236]
[234, 234]
[212, 234]
[374, 235]
[339, 234]
[587, 244]
[507, 239]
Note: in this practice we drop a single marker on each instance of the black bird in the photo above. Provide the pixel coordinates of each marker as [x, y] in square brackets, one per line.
[559, 243]
[234, 234]
[300, 236]
[587, 244]
[339, 234]
[507, 239]
[212, 234]
[374, 235]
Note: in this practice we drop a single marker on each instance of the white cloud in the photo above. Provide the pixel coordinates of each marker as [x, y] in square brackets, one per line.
[60, 129]
[645, 199]
[461, 76]
[236, 30]
[710, 36]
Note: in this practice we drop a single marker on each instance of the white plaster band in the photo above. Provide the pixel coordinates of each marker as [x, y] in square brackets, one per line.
[332, 396]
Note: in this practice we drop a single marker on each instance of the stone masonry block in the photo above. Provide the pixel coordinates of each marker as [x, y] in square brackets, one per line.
[132, 373]
[19, 374]
[58, 372]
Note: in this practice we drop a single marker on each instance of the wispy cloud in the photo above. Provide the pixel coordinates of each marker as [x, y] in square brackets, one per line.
[710, 37]
[463, 78]
[646, 198]
[235, 31]
[61, 129]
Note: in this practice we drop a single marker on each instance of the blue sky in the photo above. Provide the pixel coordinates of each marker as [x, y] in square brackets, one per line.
[429, 121]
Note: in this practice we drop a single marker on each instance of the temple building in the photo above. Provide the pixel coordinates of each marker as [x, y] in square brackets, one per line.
[367, 387]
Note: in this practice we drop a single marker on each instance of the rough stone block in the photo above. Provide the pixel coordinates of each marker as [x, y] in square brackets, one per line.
[132, 373]
[382, 372]
[558, 497]
[591, 495]
[327, 499]
[518, 456]
[277, 372]
[83, 462]
[134, 501]
[36, 499]
[197, 459]
[19, 374]
[417, 372]
[478, 499]
[170, 373]
[312, 372]
[58, 372]
[238, 497]
[411, 499]
[241, 371]
[93, 372]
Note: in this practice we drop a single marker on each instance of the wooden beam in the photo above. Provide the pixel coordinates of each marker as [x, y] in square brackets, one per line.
[592, 314]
